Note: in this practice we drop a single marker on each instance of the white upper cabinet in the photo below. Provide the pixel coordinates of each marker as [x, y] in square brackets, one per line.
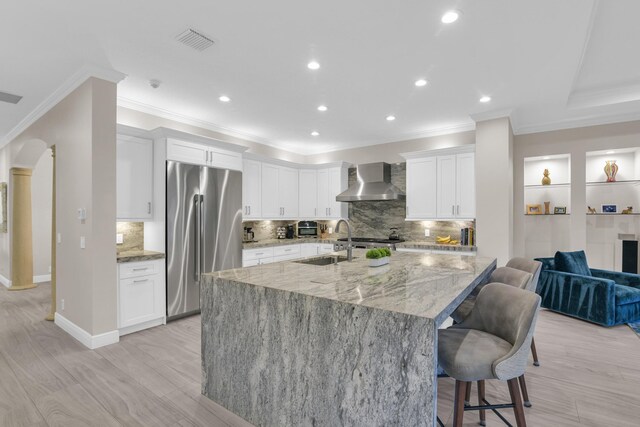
[331, 182]
[308, 193]
[465, 186]
[134, 178]
[288, 192]
[203, 154]
[279, 191]
[441, 184]
[251, 189]
[337, 184]
[446, 186]
[421, 188]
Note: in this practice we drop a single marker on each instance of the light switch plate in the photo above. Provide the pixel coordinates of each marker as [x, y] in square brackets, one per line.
[119, 238]
[427, 232]
[82, 242]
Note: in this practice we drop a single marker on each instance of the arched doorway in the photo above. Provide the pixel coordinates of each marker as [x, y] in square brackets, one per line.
[32, 217]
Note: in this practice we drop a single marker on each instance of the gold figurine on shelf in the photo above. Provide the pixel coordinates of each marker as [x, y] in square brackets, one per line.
[591, 210]
[545, 179]
[628, 211]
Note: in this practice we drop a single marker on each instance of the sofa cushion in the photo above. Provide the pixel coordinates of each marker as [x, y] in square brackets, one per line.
[572, 262]
[626, 295]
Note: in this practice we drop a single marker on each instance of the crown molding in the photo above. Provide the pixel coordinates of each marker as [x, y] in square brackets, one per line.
[72, 83]
[492, 115]
[577, 123]
[604, 96]
[188, 120]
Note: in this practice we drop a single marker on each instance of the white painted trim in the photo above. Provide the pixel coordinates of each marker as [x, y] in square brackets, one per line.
[492, 115]
[42, 278]
[181, 118]
[585, 46]
[144, 325]
[577, 123]
[6, 282]
[604, 96]
[295, 165]
[88, 340]
[459, 149]
[72, 83]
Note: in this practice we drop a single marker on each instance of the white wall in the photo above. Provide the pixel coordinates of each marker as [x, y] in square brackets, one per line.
[41, 214]
[83, 129]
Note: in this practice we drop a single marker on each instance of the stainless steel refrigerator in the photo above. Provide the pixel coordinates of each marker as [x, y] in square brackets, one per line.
[204, 230]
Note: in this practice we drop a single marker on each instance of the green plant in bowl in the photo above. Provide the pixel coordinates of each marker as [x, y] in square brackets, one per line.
[377, 253]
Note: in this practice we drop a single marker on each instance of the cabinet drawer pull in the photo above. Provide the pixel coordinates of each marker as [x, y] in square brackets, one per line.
[141, 269]
[259, 253]
[141, 281]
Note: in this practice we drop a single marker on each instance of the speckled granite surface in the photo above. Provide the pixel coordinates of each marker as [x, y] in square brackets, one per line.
[347, 344]
[435, 246]
[135, 256]
[281, 242]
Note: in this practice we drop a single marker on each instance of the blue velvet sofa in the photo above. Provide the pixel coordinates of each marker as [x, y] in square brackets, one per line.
[604, 297]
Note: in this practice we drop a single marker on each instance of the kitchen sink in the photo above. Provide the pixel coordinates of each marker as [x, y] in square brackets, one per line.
[325, 260]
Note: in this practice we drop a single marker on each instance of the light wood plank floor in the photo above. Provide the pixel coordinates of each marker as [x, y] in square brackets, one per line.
[589, 375]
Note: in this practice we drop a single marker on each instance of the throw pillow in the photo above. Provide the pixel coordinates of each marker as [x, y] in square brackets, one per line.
[572, 262]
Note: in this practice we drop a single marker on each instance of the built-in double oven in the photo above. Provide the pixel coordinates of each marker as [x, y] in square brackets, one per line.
[307, 229]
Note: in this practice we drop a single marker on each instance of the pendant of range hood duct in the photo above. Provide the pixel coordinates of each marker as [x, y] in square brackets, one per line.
[374, 183]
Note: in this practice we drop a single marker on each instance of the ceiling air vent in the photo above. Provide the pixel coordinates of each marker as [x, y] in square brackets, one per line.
[11, 99]
[195, 39]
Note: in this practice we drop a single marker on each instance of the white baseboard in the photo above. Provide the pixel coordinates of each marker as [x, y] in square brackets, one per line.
[42, 278]
[143, 325]
[88, 340]
[6, 282]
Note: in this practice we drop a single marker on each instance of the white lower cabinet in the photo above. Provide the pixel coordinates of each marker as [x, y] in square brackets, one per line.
[251, 257]
[141, 295]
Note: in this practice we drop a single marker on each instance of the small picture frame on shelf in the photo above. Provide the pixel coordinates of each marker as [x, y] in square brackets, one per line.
[560, 210]
[609, 209]
[534, 209]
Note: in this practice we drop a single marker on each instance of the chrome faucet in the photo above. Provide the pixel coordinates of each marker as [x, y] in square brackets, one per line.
[349, 247]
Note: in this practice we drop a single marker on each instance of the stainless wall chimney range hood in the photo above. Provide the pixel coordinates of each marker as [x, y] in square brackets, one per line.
[374, 183]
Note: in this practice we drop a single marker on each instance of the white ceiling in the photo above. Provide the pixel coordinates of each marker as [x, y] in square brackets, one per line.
[552, 63]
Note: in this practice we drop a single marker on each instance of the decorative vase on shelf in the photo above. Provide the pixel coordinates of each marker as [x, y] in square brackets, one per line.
[546, 208]
[611, 169]
[545, 179]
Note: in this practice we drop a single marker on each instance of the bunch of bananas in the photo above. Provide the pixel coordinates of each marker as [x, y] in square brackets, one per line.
[446, 240]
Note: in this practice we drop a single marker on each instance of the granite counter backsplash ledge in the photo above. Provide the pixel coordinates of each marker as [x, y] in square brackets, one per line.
[136, 256]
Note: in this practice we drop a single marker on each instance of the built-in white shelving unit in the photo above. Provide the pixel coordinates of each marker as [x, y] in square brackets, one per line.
[546, 233]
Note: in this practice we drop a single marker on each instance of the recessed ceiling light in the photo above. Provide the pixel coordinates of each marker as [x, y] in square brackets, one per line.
[611, 152]
[313, 65]
[224, 98]
[485, 99]
[391, 118]
[546, 157]
[421, 83]
[450, 16]
[322, 108]
[315, 133]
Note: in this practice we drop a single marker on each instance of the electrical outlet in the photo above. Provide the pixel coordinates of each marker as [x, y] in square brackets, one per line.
[82, 242]
[62, 304]
[49, 269]
[427, 232]
[59, 238]
[119, 238]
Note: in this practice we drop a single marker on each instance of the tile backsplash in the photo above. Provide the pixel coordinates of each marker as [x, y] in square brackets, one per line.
[375, 218]
[133, 236]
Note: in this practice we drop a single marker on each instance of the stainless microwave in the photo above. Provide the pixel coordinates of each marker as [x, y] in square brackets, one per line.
[307, 229]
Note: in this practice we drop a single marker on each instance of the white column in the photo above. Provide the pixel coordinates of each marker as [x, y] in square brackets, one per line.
[494, 189]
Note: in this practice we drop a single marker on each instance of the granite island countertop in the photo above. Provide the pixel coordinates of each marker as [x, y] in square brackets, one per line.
[425, 285]
[347, 344]
[136, 256]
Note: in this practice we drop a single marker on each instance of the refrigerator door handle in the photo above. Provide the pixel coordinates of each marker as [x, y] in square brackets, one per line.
[196, 226]
[201, 228]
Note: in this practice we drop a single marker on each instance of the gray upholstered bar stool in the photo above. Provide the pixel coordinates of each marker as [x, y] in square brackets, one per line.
[533, 267]
[509, 276]
[491, 343]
